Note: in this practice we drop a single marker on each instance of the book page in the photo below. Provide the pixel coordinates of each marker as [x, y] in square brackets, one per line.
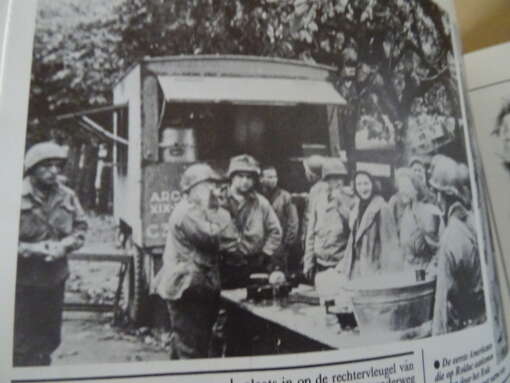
[488, 94]
[277, 192]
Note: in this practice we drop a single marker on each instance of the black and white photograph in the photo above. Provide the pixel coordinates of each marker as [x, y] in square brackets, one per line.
[228, 178]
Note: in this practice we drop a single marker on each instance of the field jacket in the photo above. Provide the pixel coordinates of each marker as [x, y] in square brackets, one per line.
[459, 290]
[327, 233]
[419, 226]
[59, 216]
[256, 221]
[195, 238]
[287, 215]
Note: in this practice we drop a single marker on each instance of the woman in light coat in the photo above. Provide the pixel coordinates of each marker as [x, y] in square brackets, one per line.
[373, 243]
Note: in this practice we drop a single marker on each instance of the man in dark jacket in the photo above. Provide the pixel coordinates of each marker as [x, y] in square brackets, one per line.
[285, 210]
[52, 224]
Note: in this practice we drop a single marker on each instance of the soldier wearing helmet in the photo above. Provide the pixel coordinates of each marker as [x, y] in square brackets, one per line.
[261, 232]
[189, 280]
[52, 224]
[459, 299]
[328, 228]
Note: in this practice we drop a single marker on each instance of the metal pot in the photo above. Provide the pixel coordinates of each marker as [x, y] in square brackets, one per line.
[393, 308]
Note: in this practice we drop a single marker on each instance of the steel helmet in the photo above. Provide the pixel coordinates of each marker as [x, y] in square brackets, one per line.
[333, 167]
[196, 174]
[44, 151]
[314, 163]
[418, 159]
[445, 175]
[417, 183]
[243, 163]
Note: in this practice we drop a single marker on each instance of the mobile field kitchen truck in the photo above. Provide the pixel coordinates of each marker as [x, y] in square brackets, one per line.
[169, 112]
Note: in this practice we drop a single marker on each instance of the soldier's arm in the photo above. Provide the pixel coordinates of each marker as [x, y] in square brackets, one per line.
[228, 235]
[309, 256]
[292, 223]
[76, 239]
[27, 249]
[207, 229]
[444, 282]
[273, 231]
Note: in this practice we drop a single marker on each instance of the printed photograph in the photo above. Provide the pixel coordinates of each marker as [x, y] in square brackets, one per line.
[220, 178]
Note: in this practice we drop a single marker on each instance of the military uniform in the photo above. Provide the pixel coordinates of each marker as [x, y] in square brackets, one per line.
[459, 299]
[318, 189]
[260, 236]
[327, 233]
[40, 283]
[328, 216]
[287, 215]
[189, 280]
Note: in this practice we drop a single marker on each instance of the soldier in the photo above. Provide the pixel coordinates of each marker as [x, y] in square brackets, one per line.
[258, 225]
[419, 223]
[313, 172]
[459, 299]
[189, 280]
[328, 225]
[52, 225]
[285, 210]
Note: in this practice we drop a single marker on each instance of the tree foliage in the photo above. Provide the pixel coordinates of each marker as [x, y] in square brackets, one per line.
[394, 57]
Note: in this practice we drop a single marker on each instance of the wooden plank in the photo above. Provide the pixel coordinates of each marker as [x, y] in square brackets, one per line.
[150, 118]
[88, 112]
[88, 307]
[94, 257]
[103, 132]
[128, 179]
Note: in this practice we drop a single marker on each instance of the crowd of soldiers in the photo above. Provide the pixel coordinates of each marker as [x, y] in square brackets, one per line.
[227, 228]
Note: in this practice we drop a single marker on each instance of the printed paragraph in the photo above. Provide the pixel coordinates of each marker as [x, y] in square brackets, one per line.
[472, 366]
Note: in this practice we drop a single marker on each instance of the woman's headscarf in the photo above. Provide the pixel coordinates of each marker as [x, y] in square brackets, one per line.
[363, 203]
[375, 184]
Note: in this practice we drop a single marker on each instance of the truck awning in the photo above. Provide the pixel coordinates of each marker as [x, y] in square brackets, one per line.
[262, 91]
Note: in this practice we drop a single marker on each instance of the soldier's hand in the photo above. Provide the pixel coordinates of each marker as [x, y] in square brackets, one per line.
[310, 274]
[37, 249]
[56, 250]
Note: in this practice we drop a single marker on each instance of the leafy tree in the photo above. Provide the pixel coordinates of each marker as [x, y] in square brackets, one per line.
[74, 56]
[394, 57]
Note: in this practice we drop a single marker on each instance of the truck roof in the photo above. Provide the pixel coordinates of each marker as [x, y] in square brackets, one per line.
[186, 62]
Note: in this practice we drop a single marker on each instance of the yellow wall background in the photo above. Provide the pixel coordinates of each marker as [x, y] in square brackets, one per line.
[483, 22]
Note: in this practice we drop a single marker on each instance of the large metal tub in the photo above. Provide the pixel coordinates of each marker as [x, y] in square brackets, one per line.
[393, 307]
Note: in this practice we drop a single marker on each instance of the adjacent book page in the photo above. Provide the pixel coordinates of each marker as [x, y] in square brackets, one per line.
[224, 192]
[488, 81]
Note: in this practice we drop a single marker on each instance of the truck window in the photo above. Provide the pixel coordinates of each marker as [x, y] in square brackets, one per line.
[274, 134]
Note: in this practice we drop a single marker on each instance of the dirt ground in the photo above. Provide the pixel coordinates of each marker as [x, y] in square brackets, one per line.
[94, 282]
[90, 337]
